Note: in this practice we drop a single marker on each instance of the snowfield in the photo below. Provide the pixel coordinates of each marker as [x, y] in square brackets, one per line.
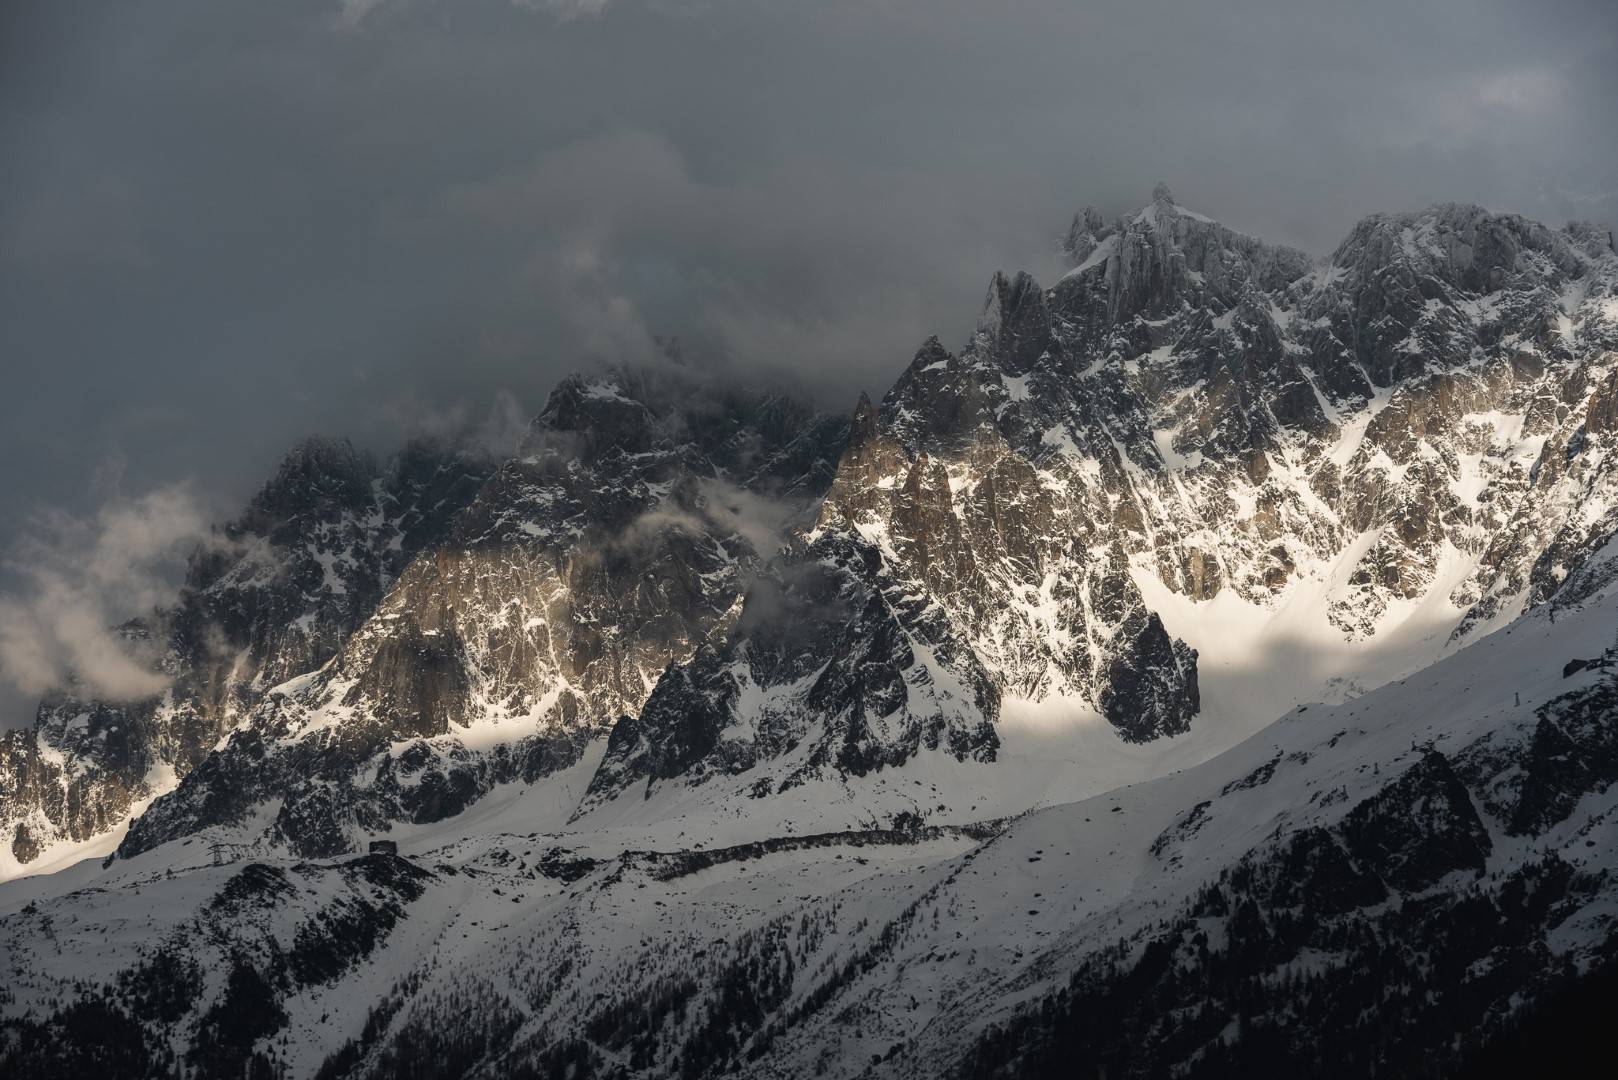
[947, 931]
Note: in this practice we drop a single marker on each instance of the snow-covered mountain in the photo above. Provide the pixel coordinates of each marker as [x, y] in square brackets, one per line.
[1175, 666]
[621, 535]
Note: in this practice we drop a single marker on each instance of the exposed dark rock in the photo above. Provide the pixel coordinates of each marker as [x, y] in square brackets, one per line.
[1419, 828]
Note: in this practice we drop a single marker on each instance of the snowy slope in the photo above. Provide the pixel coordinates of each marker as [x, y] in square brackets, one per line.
[846, 946]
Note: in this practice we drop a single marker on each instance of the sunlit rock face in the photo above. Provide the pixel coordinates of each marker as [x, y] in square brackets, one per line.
[271, 596]
[1402, 427]
[620, 537]
[1386, 413]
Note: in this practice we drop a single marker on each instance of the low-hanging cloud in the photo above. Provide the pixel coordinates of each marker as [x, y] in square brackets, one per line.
[79, 578]
[758, 518]
[720, 509]
[498, 431]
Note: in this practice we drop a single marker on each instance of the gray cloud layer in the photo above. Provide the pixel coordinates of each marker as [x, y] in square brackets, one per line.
[77, 577]
[226, 225]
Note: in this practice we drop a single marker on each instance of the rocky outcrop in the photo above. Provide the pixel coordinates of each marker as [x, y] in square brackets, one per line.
[837, 666]
[621, 536]
[1198, 407]
[272, 596]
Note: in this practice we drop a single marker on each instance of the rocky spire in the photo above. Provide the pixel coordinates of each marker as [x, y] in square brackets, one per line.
[1089, 228]
[864, 418]
[1014, 325]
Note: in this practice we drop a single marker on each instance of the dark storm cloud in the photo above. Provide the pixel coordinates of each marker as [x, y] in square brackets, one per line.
[225, 225]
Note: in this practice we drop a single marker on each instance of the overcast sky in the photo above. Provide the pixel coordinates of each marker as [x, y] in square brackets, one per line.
[225, 225]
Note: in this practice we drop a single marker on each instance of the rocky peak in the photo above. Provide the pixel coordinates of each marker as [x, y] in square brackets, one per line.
[318, 475]
[618, 541]
[1183, 368]
[1427, 291]
[864, 423]
[1015, 325]
[1085, 234]
[590, 416]
[1163, 254]
[1459, 243]
[631, 418]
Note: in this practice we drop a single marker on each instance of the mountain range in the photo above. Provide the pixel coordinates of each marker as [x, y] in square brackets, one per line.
[1205, 669]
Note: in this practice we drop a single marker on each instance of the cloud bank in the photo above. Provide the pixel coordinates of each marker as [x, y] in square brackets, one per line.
[77, 578]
